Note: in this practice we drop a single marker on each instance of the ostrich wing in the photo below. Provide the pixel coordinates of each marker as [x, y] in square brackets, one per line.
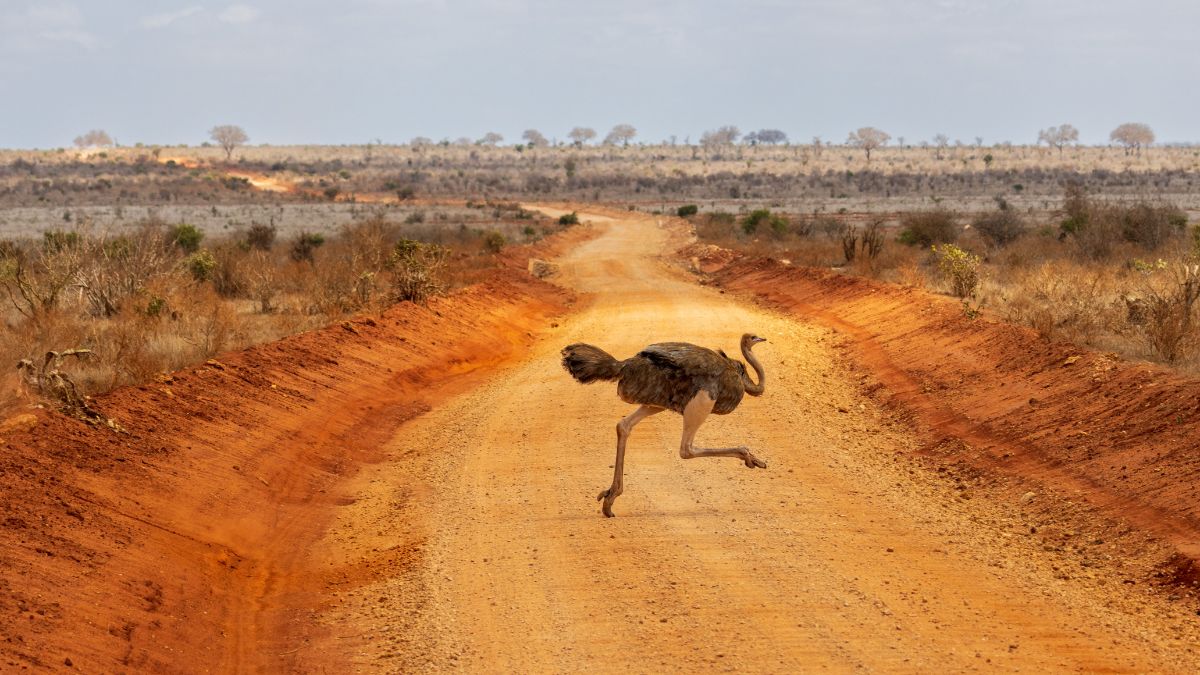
[670, 374]
[695, 362]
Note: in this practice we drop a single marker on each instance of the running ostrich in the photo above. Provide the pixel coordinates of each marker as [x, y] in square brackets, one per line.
[692, 381]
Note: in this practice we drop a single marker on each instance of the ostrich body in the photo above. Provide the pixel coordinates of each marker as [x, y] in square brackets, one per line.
[690, 380]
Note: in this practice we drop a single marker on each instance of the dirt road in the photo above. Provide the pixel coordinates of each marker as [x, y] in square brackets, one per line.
[477, 543]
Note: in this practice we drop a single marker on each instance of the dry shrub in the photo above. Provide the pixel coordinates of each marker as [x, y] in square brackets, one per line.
[1097, 228]
[1163, 314]
[416, 270]
[1061, 301]
[925, 228]
[114, 270]
[35, 275]
[1000, 227]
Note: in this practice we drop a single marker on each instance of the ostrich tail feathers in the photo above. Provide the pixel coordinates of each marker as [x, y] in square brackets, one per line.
[590, 364]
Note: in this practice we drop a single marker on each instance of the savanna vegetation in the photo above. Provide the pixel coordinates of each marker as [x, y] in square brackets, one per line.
[1117, 275]
[155, 296]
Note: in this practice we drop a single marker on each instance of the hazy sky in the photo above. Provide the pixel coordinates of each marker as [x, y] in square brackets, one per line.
[351, 71]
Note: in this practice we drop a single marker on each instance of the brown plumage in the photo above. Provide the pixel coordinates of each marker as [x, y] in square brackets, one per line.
[691, 380]
[669, 374]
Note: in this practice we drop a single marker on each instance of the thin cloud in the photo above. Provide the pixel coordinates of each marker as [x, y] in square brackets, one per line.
[155, 21]
[80, 38]
[239, 14]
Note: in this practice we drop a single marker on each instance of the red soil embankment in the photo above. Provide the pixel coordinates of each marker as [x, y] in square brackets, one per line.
[179, 546]
[1120, 436]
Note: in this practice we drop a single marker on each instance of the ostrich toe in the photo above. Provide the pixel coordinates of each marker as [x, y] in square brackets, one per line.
[753, 462]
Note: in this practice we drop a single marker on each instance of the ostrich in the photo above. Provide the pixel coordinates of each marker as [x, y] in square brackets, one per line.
[691, 380]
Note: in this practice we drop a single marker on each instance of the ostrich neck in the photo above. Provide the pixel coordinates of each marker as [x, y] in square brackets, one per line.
[752, 388]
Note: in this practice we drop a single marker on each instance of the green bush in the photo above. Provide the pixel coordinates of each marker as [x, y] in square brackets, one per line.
[571, 218]
[960, 268]
[493, 241]
[186, 237]
[687, 210]
[201, 265]
[59, 240]
[757, 217]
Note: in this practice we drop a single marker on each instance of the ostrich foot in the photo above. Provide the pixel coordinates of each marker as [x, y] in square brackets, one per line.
[609, 496]
[753, 462]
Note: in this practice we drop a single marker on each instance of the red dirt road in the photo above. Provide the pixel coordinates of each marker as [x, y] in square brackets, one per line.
[418, 495]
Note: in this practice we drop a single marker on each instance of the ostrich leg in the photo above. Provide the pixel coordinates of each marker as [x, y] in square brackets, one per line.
[624, 428]
[694, 414]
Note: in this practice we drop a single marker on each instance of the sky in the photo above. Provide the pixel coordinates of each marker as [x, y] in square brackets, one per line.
[358, 71]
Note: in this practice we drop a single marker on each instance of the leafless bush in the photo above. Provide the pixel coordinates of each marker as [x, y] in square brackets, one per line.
[262, 280]
[34, 277]
[1166, 320]
[260, 236]
[115, 269]
[872, 239]
[849, 242]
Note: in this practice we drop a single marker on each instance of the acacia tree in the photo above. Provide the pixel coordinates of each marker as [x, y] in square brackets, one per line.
[581, 135]
[622, 133]
[491, 138]
[1059, 137]
[96, 138]
[229, 137]
[868, 138]
[534, 138]
[726, 135]
[1133, 135]
[766, 136]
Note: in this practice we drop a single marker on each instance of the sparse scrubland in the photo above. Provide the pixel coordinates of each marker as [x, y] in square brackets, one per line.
[1088, 244]
[803, 178]
[155, 296]
[1117, 275]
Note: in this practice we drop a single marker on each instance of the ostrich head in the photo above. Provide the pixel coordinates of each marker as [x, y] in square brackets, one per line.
[752, 388]
[750, 339]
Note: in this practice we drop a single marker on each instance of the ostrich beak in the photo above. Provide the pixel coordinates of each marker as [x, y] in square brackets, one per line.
[760, 339]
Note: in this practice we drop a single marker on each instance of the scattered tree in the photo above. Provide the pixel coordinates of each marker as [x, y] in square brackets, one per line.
[1059, 137]
[766, 136]
[726, 135]
[868, 138]
[534, 138]
[491, 138]
[940, 141]
[421, 142]
[96, 138]
[229, 137]
[622, 134]
[1133, 135]
[581, 135]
